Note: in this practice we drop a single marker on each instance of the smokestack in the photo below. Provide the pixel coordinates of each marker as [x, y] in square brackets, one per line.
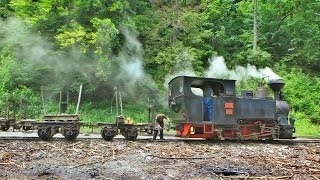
[276, 85]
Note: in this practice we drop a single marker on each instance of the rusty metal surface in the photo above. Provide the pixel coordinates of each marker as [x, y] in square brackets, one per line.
[56, 123]
[63, 117]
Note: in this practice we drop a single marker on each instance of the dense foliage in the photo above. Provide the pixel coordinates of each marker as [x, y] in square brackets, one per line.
[136, 44]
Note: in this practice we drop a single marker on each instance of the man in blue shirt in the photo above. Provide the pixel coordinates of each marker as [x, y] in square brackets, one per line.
[208, 103]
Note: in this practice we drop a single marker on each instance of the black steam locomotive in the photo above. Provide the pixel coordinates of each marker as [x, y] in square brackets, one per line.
[209, 108]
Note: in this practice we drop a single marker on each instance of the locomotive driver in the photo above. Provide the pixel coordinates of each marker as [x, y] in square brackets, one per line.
[208, 103]
[159, 126]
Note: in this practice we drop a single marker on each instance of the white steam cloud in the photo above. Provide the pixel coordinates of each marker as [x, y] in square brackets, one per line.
[124, 70]
[35, 52]
[218, 69]
[129, 72]
[182, 67]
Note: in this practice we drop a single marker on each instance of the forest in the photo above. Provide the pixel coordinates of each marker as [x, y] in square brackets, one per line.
[139, 45]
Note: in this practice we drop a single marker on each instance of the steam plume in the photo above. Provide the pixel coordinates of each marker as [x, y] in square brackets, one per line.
[218, 69]
[182, 67]
[129, 72]
[39, 56]
[125, 70]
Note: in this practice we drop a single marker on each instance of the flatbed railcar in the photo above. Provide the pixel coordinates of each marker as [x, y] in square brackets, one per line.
[120, 126]
[69, 124]
[127, 130]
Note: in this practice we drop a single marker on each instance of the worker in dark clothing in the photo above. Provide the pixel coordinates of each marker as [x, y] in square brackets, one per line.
[159, 126]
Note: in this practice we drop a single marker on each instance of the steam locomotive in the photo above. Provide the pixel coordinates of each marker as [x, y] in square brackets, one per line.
[221, 114]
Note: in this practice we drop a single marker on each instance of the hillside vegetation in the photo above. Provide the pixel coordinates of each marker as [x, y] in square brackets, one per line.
[138, 45]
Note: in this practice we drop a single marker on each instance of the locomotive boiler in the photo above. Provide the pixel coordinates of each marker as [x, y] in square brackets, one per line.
[209, 108]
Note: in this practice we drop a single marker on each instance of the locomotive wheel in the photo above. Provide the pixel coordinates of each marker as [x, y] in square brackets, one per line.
[132, 134]
[107, 134]
[5, 127]
[26, 128]
[70, 134]
[45, 134]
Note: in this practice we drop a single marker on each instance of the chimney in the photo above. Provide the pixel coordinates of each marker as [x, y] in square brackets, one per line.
[276, 85]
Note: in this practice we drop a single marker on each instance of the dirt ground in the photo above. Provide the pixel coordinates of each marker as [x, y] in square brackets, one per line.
[146, 159]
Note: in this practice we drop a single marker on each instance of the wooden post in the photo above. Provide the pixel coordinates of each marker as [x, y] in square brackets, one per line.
[79, 98]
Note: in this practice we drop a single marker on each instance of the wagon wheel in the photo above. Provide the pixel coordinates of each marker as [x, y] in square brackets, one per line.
[26, 128]
[107, 134]
[149, 131]
[5, 127]
[45, 133]
[132, 134]
[71, 134]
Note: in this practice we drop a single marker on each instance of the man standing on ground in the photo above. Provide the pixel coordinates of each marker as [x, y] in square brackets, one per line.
[159, 126]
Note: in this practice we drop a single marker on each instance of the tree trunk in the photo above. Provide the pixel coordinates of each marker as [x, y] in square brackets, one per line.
[255, 36]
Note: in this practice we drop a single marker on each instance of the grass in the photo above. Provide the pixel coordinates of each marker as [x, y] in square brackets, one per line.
[305, 128]
[90, 130]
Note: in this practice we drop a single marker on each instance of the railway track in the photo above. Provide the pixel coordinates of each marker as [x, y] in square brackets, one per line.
[169, 138]
[299, 140]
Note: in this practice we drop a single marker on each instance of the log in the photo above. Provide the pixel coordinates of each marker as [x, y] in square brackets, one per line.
[161, 157]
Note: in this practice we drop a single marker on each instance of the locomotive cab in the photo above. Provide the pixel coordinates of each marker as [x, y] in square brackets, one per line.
[187, 97]
[194, 102]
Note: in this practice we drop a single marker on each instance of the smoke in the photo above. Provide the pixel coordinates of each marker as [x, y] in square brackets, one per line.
[125, 70]
[64, 69]
[36, 55]
[182, 67]
[129, 73]
[130, 58]
[219, 69]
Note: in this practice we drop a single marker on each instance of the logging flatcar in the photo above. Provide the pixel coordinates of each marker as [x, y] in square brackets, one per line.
[209, 108]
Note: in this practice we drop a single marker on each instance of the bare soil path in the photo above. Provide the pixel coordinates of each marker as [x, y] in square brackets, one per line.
[146, 159]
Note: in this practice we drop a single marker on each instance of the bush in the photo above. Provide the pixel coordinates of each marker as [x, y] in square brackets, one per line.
[303, 93]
